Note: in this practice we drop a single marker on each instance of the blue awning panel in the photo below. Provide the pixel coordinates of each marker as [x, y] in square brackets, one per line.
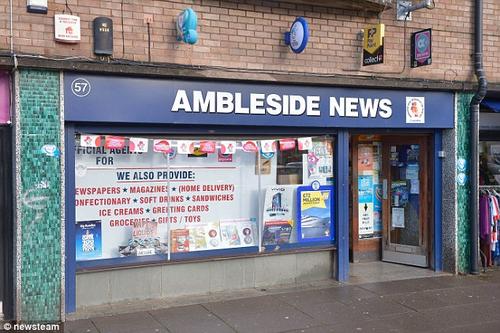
[493, 104]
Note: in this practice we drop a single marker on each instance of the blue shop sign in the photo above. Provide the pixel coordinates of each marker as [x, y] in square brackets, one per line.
[298, 36]
[113, 99]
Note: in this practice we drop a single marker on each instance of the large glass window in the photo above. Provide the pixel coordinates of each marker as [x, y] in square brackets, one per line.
[171, 196]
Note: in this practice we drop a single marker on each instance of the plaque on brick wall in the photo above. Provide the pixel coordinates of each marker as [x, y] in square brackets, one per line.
[373, 45]
[66, 28]
[421, 48]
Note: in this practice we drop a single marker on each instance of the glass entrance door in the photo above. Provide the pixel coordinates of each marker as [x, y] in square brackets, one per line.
[405, 205]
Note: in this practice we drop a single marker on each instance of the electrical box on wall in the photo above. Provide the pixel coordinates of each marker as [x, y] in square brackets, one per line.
[103, 36]
[37, 6]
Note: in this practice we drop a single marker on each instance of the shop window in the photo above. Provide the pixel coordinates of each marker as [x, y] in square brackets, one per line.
[184, 197]
[489, 163]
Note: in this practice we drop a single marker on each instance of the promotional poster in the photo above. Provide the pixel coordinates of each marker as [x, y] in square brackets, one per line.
[279, 214]
[365, 206]
[315, 213]
[88, 240]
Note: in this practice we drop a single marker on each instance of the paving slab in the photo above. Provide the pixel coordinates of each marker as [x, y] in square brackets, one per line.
[489, 327]
[80, 326]
[261, 314]
[129, 323]
[333, 313]
[344, 293]
[418, 300]
[376, 307]
[462, 314]
[404, 286]
[190, 319]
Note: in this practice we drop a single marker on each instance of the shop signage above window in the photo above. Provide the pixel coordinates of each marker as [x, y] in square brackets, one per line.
[136, 100]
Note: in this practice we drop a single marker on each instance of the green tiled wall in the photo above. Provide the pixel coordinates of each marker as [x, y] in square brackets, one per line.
[463, 202]
[40, 205]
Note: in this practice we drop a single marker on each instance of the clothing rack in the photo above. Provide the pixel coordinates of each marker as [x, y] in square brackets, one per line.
[489, 186]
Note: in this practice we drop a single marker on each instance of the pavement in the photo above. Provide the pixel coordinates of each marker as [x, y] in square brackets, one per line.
[429, 304]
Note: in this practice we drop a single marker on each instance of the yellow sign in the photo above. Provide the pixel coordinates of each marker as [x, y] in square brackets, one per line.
[314, 199]
[373, 45]
[374, 37]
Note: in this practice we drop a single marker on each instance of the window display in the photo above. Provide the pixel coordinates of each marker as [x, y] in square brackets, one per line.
[168, 196]
[369, 188]
[489, 163]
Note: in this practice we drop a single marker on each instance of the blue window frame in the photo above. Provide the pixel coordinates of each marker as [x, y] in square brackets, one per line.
[72, 130]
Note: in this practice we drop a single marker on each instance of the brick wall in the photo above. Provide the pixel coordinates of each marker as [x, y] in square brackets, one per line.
[249, 35]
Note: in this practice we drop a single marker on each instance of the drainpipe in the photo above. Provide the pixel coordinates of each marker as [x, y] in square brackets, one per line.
[474, 133]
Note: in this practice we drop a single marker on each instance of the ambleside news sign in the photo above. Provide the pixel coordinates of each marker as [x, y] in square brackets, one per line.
[92, 98]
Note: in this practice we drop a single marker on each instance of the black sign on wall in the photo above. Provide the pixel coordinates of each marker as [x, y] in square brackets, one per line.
[103, 36]
[373, 45]
[421, 48]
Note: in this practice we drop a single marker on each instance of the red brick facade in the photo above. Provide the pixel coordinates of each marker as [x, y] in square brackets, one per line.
[248, 35]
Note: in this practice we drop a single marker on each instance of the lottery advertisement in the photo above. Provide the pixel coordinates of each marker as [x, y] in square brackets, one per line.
[135, 195]
[315, 214]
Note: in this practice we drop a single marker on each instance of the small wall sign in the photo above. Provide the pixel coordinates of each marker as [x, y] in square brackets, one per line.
[66, 28]
[373, 45]
[298, 36]
[421, 48]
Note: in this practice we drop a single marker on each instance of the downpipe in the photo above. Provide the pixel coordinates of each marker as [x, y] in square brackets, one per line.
[474, 134]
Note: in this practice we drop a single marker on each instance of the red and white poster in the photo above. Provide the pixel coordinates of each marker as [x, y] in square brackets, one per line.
[66, 28]
[184, 147]
[268, 146]
[138, 145]
[305, 143]
[88, 140]
[114, 142]
[250, 146]
[228, 147]
[162, 146]
[287, 144]
[207, 146]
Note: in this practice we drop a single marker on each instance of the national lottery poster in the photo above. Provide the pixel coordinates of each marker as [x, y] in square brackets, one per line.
[315, 214]
[135, 195]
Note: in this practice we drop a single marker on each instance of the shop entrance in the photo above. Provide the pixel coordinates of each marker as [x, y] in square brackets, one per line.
[391, 204]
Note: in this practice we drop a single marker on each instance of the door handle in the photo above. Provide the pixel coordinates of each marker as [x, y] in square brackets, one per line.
[384, 189]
